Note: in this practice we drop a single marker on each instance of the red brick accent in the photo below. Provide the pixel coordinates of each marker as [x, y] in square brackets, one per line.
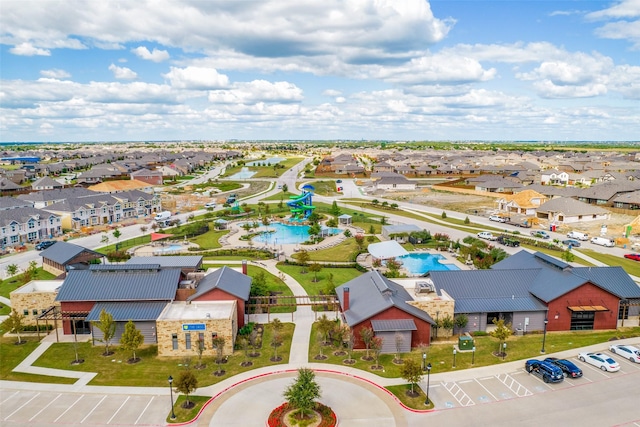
[220, 295]
[587, 294]
[421, 336]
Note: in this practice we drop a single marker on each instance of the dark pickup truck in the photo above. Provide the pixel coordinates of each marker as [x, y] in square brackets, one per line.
[508, 241]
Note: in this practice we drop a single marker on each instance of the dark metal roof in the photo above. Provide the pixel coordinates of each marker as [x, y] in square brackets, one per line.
[225, 279]
[120, 285]
[187, 261]
[125, 311]
[372, 293]
[124, 267]
[63, 252]
[393, 325]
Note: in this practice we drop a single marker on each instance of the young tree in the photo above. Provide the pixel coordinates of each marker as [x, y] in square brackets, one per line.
[335, 210]
[107, 326]
[199, 348]
[12, 270]
[131, 339]
[302, 393]
[375, 202]
[218, 345]
[15, 324]
[376, 347]
[325, 326]
[399, 341]
[117, 233]
[366, 334]
[567, 256]
[303, 258]
[276, 341]
[186, 383]
[460, 322]
[359, 241]
[501, 333]
[446, 322]
[315, 268]
[285, 188]
[372, 230]
[105, 238]
[411, 372]
[351, 342]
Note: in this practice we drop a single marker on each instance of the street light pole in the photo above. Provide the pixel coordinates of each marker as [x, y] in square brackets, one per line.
[473, 355]
[173, 414]
[426, 402]
[544, 335]
[504, 350]
[424, 361]
[454, 357]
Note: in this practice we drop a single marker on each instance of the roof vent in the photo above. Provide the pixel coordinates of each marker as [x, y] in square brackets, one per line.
[208, 315]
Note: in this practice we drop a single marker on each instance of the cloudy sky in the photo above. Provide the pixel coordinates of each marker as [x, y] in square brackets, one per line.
[75, 70]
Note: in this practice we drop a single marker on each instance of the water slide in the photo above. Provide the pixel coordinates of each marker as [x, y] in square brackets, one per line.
[302, 205]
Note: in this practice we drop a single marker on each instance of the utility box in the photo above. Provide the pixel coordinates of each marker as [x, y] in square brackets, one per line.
[465, 343]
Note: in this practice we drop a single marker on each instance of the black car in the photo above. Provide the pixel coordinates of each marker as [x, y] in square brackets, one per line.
[571, 242]
[45, 244]
[508, 241]
[548, 372]
[568, 368]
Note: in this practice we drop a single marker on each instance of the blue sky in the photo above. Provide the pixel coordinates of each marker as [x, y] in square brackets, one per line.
[73, 70]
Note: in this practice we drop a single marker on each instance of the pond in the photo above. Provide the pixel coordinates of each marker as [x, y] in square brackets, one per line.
[243, 174]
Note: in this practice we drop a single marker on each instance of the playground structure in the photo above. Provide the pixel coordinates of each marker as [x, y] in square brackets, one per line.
[302, 205]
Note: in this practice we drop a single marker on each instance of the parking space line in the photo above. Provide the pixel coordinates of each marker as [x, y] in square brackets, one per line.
[14, 393]
[145, 408]
[121, 406]
[45, 407]
[69, 408]
[94, 408]
[510, 382]
[487, 390]
[22, 406]
[464, 397]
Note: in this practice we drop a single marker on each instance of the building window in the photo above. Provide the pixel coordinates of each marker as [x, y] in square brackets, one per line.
[187, 339]
[34, 311]
[201, 340]
[174, 341]
[582, 320]
[25, 312]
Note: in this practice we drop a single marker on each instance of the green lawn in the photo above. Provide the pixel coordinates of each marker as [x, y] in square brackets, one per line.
[339, 253]
[630, 266]
[153, 371]
[186, 415]
[340, 276]
[11, 355]
[325, 188]
[12, 283]
[209, 240]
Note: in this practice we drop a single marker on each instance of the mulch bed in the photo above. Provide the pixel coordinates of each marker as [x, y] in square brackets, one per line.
[279, 416]
[320, 357]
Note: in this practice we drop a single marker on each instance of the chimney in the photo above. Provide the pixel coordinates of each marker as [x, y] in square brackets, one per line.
[244, 267]
[345, 298]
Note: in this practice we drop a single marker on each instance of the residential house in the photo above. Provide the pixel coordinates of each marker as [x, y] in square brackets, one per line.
[563, 210]
[153, 177]
[524, 202]
[395, 182]
[46, 183]
[22, 225]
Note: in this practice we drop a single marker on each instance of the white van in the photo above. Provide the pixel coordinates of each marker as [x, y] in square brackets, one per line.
[603, 241]
[578, 235]
[162, 216]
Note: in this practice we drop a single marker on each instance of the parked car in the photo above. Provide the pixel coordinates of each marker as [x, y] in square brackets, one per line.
[600, 360]
[487, 235]
[578, 235]
[45, 244]
[628, 351]
[210, 205]
[603, 241]
[541, 234]
[571, 242]
[339, 181]
[548, 372]
[568, 368]
[508, 241]
[635, 257]
[497, 218]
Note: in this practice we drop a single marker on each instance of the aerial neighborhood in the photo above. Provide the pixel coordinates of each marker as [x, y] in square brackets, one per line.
[401, 251]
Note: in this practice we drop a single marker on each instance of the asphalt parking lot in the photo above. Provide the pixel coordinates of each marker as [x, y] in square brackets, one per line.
[517, 384]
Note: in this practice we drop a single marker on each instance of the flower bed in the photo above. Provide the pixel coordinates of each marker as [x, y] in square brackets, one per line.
[277, 416]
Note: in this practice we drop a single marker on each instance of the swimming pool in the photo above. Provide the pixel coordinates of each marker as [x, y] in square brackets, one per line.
[170, 248]
[243, 174]
[266, 162]
[419, 263]
[285, 234]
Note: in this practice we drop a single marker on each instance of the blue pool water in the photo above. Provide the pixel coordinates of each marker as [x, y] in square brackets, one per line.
[420, 263]
[285, 234]
[169, 248]
[243, 174]
[268, 162]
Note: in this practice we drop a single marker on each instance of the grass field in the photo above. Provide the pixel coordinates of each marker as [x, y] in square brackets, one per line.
[12, 283]
[153, 371]
[11, 355]
[340, 276]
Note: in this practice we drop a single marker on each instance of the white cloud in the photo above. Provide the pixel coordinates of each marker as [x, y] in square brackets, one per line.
[55, 73]
[331, 92]
[156, 55]
[196, 78]
[258, 91]
[622, 9]
[27, 49]
[626, 25]
[122, 73]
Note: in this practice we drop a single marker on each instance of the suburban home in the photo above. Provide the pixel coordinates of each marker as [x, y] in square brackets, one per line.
[554, 177]
[524, 202]
[373, 301]
[63, 256]
[604, 194]
[394, 182]
[564, 210]
[46, 183]
[22, 225]
[153, 177]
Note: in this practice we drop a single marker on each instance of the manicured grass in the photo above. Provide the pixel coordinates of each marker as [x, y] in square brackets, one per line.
[153, 371]
[340, 276]
[339, 253]
[417, 402]
[12, 283]
[280, 196]
[326, 188]
[184, 415]
[630, 266]
[11, 355]
[210, 239]
[440, 354]
[123, 245]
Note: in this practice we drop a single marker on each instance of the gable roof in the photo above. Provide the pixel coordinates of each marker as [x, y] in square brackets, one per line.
[187, 261]
[130, 310]
[120, 283]
[63, 252]
[571, 207]
[227, 280]
[372, 293]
